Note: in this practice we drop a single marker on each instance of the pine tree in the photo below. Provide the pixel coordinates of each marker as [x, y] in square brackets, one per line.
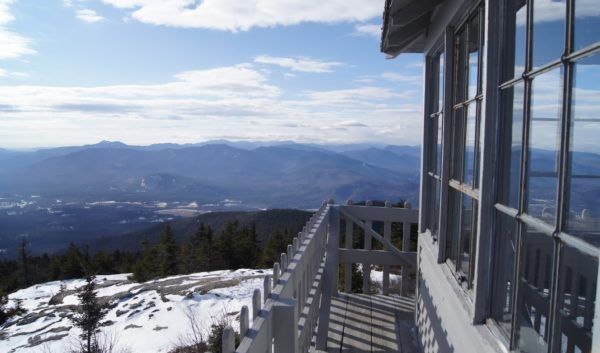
[168, 252]
[89, 314]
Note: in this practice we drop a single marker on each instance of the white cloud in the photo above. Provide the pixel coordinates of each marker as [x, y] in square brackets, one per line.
[236, 15]
[401, 78]
[195, 105]
[13, 44]
[369, 30]
[89, 16]
[12, 74]
[299, 64]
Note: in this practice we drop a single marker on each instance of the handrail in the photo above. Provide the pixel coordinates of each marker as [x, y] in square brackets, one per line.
[298, 293]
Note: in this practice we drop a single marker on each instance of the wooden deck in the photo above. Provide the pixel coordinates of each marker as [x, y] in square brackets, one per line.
[371, 323]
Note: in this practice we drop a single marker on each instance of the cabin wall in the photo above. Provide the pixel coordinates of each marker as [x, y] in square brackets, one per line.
[443, 315]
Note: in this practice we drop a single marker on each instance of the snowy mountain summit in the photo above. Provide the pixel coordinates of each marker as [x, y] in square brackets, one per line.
[154, 316]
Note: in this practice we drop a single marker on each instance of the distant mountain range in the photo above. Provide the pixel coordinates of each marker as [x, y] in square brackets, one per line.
[281, 174]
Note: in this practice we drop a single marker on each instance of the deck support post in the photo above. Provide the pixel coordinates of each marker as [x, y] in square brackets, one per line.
[405, 247]
[366, 267]
[387, 235]
[348, 243]
[285, 327]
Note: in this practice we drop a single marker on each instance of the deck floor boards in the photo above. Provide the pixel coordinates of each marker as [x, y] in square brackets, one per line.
[371, 323]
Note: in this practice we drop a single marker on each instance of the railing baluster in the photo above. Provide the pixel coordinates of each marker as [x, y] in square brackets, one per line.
[283, 262]
[387, 234]
[276, 273]
[244, 321]
[267, 287]
[228, 340]
[256, 303]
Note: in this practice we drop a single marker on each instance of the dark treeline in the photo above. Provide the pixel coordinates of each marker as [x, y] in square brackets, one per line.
[234, 247]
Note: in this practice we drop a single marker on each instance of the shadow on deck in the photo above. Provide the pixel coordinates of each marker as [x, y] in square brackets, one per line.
[371, 323]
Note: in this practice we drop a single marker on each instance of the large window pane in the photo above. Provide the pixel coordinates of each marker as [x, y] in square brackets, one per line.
[440, 82]
[517, 29]
[473, 52]
[452, 236]
[438, 145]
[578, 278]
[467, 234]
[584, 183]
[544, 138]
[534, 292]
[548, 31]
[587, 22]
[458, 143]
[506, 244]
[513, 134]
[469, 151]
[460, 67]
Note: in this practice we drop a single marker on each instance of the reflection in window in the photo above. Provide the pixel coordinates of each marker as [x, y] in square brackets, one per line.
[534, 292]
[584, 195]
[578, 278]
[587, 22]
[548, 31]
[544, 141]
[506, 244]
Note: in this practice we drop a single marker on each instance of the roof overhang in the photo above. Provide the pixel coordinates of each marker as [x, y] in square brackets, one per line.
[405, 25]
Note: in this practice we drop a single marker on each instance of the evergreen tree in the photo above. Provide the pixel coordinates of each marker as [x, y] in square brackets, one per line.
[89, 314]
[146, 267]
[168, 252]
[24, 255]
[204, 252]
[72, 266]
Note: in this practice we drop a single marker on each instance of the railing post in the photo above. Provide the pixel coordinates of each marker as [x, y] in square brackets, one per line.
[387, 234]
[228, 340]
[348, 244]
[367, 267]
[285, 327]
[330, 276]
[405, 247]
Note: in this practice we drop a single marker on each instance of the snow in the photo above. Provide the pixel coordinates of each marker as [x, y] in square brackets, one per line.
[160, 308]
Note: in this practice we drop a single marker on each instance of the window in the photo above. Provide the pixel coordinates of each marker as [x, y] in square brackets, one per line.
[466, 117]
[434, 125]
[547, 228]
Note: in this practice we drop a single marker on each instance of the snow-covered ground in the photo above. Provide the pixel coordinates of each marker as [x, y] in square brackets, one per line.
[143, 317]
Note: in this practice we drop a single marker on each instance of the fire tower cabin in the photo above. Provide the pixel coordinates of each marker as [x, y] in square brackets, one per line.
[505, 255]
[509, 221]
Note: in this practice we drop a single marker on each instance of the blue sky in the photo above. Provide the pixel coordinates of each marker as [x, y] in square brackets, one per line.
[146, 71]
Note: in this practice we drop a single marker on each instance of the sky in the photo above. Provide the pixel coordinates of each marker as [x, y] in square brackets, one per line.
[75, 72]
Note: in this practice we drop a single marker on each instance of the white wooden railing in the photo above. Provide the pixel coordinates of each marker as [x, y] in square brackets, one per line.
[297, 296]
